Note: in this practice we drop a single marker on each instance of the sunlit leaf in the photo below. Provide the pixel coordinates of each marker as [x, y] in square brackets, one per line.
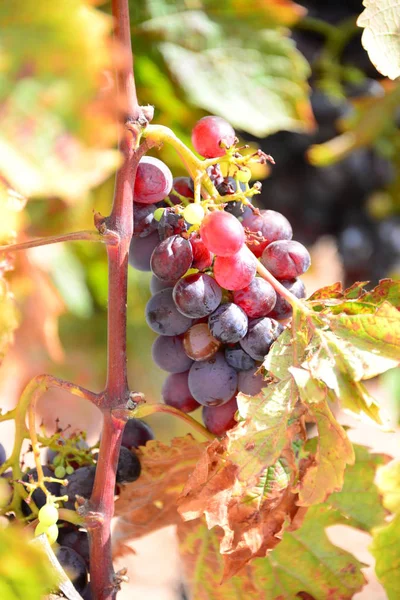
[388, 482]
[385, 548]
[381, 23]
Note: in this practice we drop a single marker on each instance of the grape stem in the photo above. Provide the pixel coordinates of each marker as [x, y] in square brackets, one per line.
[88, 236]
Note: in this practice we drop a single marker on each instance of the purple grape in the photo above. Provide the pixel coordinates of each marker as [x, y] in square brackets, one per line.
[171, 223]
[176, 393]
[163, 317]
[136, 433]
[153, 181]
[257, 299]
[286, 259]
[74, 566]
[3, 455]
[219, 419]
[128, 468]
[168, 353]
[171, 258]
[269, 225]
[197, 295]
[212, 382]
[141, 249]
[184, 187]
[282, 309]
[156, 285]
[239, 359]
[143, 219]
[75, 538]
[228, 323]
[249, 382]
[80, 483]
[260, 336]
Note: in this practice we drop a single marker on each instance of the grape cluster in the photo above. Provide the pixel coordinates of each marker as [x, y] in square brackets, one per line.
[215, 317]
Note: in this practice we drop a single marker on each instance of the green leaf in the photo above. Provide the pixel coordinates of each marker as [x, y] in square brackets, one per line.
[334, 449]
[257, 83]
[257, 441]
[377, 332]
[385, 548]
[359, 500]
[24, 570]
[388, 482]
[381, 23]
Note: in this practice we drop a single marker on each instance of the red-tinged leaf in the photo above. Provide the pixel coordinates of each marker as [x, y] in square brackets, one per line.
[334, 450]
[259, 13]
[330, 291]
[258, 440]
[387, 289]
[377, 332]
[151, 502]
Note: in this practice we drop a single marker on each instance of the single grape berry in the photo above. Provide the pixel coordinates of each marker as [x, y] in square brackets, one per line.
[163, 317]
[228, 323]
[128, 468]
[250, 382]
[239, 359]
[198, 342]
[193, 213]
[79, 483]
[136, 433]
[197, 295]
[282, 309]
[48, 514]
[169, 354]
[267, 226]
[235, 272]
[257, 299]
[171, 258]
[175, 392]
[51, 531]
[209, 136]
[212, 382]
[153, 181]
[75, 538]
[219, 419]
[74, 566]
[143, 219]
[286, 259]
[260, 336]
[202, 257]
[141, 249]
[222, 233]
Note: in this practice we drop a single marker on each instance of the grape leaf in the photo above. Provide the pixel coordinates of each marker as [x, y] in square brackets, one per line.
[24, 570]
[381, 22]
[57, 125]
[388, 482]
[259, 438]
[334, 450]
[385, 548]
[257, 13]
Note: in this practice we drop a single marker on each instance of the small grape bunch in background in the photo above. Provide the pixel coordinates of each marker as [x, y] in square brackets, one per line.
[216, 318]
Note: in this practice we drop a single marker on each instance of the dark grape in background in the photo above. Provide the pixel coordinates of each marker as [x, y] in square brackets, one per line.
[334, 200]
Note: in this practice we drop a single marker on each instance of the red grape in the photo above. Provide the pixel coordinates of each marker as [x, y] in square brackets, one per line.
[269, 225]
[286, 259]
[153, 181]
[197, 295]
[228, 323]
[202, 257]
[219, 419]
[143, 219]
[257, 299]
[171, 258]
[208, 133]
[176, 393]
[222, 233]
[237, 271]
[141, 249]
[184, 187]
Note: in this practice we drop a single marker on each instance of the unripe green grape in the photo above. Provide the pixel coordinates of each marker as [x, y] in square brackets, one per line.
[243, 175]
[193, 214]
[158, 213]
[48, 514]
[69, 470]
[59, 472]
[50, 532]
